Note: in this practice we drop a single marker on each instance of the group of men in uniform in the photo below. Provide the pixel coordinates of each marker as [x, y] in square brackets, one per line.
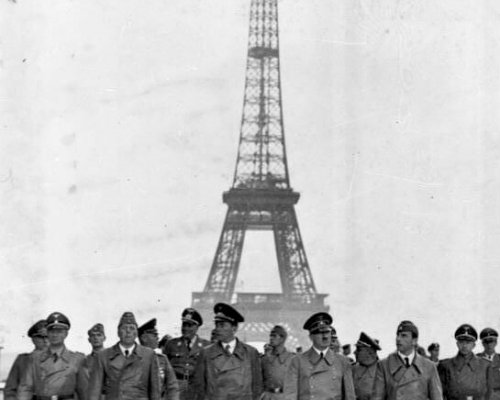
[191, 368]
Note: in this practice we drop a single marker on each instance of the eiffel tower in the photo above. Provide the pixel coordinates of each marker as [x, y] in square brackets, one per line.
[261, 198]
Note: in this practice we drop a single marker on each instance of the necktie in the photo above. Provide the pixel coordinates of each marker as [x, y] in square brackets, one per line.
[188, 344]
[321, 356]
[407, 362]
[55, 357]
[227, 349]
[127, 353]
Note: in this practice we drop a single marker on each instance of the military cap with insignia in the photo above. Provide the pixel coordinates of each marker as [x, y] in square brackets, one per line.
[279, 330]
[433, 346]
[319, 322]
[224, 312]
[127, 318]
[466, 332]
[488, 334]
[191, 315]
[366, 341]
[38, 329]
[148, 327]
[58, 320]
[97, 328]
[407, 326]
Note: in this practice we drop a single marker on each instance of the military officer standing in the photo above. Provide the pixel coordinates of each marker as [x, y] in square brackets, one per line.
[319, 373]
[363, 372]
[38, 335]
[433, 350]
[275, 364]
[464, 376]
[183, 351]
[148, 336]
[96, 338]
[127, 370]
[489, 338]
[56, 371]
[406, 375]
[229, 368]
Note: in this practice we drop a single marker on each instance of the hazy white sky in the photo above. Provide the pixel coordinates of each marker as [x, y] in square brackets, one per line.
[118, 135]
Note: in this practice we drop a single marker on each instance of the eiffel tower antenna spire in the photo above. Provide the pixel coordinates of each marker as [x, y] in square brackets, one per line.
[261, 197]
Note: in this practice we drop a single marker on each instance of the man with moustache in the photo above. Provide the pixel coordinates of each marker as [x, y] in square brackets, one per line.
[54, 373]
[38, 335]
[183, 351]
[228, 369]
[406, 375]
[127, 370]
[148, 336]
[465, 376]
[365, 368]
[319, 373]
[275, 363]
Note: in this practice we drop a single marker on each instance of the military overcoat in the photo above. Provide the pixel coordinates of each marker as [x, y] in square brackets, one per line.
[135, 377]
[15, 374]
[48, 376]
[364, 378]
[393, 381]
[312, 377]
[464, 377]
[220, 376]
[274, 368]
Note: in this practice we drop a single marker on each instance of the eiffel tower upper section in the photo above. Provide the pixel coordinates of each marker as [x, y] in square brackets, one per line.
[261, 162]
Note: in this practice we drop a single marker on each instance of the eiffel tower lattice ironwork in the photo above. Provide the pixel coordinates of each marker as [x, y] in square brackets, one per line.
[261, 197]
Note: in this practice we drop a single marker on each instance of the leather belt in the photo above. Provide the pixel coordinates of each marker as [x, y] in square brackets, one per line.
[275, 390]
[55, 397]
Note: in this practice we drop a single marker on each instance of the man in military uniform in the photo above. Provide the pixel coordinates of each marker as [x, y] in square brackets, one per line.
[56, 371]
[319, 373]
[275, 364]
[127, 370]
[148, 336]
[183, 351]
[363, 372]
[406, 375]
[489, 338]
[346, 352]
[433, 350]
[38, 335]
[464, 376]
[96, 338]
[335, 343]
[229, 368]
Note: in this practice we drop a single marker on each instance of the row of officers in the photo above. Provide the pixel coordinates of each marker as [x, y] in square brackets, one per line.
[225, 368]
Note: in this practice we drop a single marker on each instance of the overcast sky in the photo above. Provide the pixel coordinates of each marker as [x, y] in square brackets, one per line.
[119, 129]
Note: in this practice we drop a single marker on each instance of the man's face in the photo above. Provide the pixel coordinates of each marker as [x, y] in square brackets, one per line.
[346, 351]
[321, 340]
[405, 342]
[225, 331]
[365, 355]
[489, 345]
[40, 342]
[150, 340]
[335, 344]
[127, 334]
[465, 347]
[189, 329]
[276, 339]
[434, 354]
[56, 335]
[96, 340]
